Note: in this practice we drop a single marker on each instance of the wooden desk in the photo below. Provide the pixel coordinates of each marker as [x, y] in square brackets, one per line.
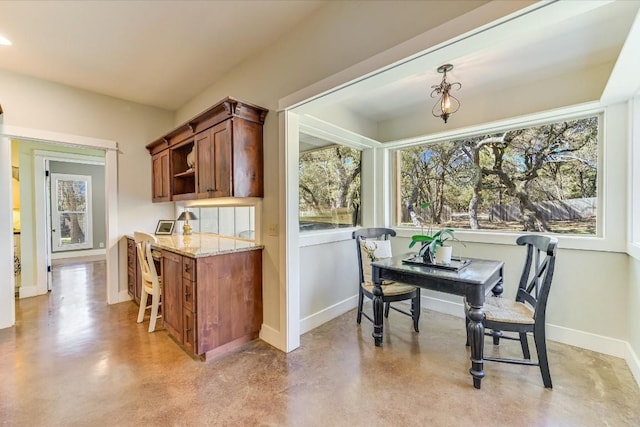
[211, 290]
[473, 282]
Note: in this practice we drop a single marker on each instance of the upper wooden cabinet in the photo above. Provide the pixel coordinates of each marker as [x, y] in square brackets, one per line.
[160, 177]
[216, 154]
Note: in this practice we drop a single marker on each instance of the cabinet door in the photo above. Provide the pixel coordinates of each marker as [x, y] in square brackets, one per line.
[215, 161]
[247, 159]
[160, 177]
[134, 275]
[172, 294]
[131, 268]
[228, 298]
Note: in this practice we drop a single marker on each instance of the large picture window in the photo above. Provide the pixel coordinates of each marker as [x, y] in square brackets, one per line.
[329, 188]
[540, 178]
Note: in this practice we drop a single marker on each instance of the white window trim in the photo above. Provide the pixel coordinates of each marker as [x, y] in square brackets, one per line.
[633, 244]
[368, 196]
[609, 238]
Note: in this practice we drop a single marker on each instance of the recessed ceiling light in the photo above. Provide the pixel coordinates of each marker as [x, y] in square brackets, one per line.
[4, 41]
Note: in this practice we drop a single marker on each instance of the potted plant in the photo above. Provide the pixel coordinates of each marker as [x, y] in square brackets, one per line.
[433, 247]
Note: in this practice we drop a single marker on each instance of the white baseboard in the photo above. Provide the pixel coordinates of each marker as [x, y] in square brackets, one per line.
[28, 291]
[442, 306]
[587, 340]
[633, 362]
[78, 254]
[323, 316]
[574, 337]
[123, 296]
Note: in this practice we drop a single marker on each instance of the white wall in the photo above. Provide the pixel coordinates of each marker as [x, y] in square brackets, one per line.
[328, 280]
[633, 320]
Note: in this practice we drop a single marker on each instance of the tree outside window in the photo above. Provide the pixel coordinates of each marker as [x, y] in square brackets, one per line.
[540, 178]
[329, 189]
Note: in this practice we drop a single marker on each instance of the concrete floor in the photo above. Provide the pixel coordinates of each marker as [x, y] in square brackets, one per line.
[72, 360]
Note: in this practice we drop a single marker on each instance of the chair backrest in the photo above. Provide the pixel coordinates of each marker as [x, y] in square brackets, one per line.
[537, 274]
[369, 234]
[145, 258]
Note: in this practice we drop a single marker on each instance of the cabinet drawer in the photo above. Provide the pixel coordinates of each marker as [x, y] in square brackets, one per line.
[189, 294]
[189, 333]
[189, 268]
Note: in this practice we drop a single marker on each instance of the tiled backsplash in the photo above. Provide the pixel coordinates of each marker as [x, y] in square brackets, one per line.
[226, 221]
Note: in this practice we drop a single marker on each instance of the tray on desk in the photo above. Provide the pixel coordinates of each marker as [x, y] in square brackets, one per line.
[456, 264]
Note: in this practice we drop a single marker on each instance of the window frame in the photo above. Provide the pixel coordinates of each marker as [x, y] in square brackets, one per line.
[328, 147]
[56, 244]
[611, 128]
[633, 244]
[371, 163]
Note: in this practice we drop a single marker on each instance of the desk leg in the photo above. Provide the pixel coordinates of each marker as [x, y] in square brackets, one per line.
[378, 306]
[475, 331]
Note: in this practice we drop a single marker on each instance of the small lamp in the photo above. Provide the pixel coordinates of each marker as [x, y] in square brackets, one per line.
[186, 216]
[447, 104]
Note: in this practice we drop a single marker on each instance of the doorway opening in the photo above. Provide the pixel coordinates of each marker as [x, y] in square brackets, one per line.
[39, 236]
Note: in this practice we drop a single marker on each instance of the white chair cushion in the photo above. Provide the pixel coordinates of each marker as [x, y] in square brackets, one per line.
[373, 250]
[379, 249]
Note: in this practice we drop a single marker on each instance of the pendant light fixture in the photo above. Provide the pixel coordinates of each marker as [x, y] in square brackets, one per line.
[447, 104]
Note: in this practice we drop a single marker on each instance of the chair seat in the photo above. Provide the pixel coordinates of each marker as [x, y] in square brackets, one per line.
[390, 288]
[505, 310]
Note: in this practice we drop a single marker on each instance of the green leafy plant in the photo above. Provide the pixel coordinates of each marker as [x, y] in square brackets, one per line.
[431, 243]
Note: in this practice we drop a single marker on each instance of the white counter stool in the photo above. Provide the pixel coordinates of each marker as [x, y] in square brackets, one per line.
[150, 281]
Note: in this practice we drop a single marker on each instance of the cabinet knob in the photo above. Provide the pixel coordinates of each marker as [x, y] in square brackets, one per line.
[187, 295]
[187, 268]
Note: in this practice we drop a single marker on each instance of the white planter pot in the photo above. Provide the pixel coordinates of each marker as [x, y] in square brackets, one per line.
[443, 254]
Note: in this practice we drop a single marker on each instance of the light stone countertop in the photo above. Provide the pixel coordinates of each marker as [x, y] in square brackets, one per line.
[200, 245]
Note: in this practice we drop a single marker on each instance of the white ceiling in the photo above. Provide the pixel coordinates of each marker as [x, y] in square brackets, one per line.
[558, 39]
[163, 53]
[159, 53]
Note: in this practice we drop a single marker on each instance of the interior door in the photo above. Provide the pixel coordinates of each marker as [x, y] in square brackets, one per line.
[71, 224]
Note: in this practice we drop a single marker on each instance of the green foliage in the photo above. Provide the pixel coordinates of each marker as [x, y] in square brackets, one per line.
[431, 243]
[329, 188]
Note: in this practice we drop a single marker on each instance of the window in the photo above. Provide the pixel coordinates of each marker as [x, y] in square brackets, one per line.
[71, 212]
[538, 178]
[329, 188]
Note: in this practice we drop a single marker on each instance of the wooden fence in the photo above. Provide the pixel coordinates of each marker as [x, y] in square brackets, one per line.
[558, 210]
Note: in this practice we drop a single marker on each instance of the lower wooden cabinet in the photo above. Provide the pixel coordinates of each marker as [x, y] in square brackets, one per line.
[212, 304]
[172, 293]
[134, 276]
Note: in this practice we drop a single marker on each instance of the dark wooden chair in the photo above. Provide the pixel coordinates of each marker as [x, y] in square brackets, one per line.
[392, 291]
[527, 313]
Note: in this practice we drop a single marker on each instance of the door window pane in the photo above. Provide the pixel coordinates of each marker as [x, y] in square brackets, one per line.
[71, 217]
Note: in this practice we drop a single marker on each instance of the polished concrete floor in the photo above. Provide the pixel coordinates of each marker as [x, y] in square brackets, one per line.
[71, 360]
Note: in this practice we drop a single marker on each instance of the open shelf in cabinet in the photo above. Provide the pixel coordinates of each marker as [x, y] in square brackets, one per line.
[184, 175]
